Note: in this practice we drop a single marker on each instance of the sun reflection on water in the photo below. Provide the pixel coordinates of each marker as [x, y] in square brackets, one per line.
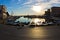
[37, 32]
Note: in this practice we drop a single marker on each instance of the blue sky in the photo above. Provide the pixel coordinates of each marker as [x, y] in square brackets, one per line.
[20, 7]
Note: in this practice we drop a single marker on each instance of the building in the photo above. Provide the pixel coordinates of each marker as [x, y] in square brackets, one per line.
[52, 14]
[55, 11]
[3, 13]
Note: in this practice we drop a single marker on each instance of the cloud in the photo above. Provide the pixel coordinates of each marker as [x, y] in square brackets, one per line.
[28, 2]
[55, 1]
[45, 3]
[19, 0]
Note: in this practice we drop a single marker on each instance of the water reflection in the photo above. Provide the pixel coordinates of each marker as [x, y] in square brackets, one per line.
[37, 32]
[37, 21]
[22, 19]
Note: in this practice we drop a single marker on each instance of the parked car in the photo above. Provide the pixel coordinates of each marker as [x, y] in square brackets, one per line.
[16, 23]
[57, 22]
[50, 23]
[11, 22]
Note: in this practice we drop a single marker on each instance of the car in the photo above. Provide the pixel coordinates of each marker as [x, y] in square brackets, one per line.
[11, 22]
[16, 24]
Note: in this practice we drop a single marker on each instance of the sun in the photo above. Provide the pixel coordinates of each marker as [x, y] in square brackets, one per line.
[37, 8]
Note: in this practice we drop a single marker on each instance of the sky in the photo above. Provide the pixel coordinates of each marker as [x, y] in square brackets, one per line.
[24, 7]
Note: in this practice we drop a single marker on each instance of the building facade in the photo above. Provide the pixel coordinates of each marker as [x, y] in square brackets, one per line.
[3, 13]
[53, 14]
[55, 11]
